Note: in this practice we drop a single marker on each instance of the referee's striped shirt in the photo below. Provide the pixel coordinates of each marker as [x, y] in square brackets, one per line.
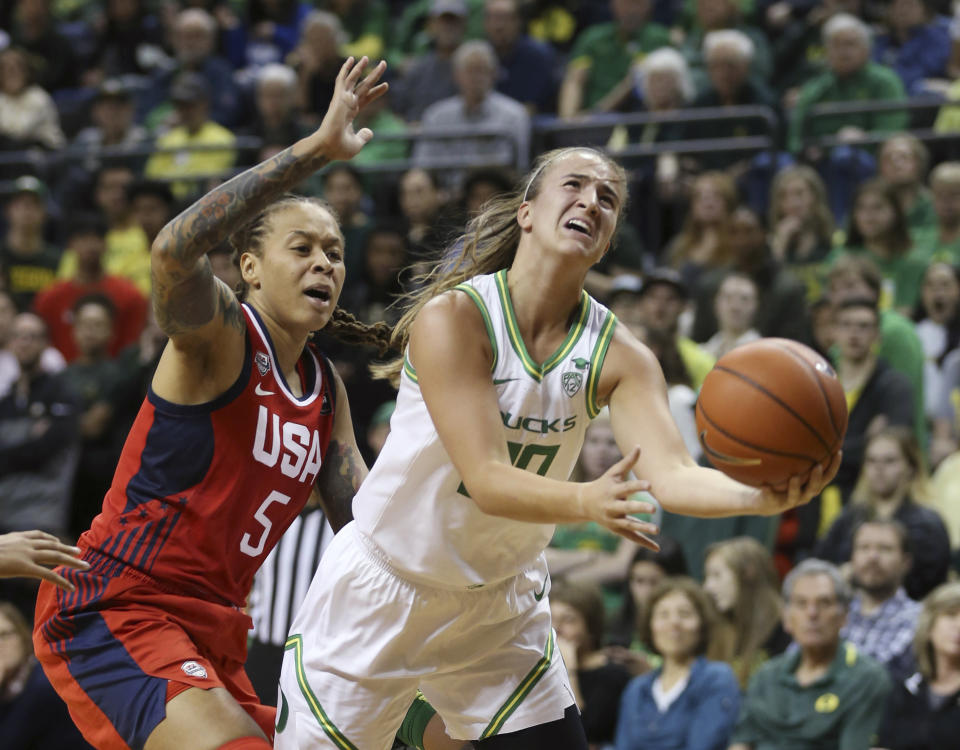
[281, 584]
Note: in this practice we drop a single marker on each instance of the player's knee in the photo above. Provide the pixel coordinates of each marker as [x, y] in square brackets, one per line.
[247, 743]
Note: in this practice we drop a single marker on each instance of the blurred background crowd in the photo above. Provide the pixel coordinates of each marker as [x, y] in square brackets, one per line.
[794, 171]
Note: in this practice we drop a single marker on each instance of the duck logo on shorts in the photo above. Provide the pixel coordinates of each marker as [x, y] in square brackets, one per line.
[193, 669]
[263, 363]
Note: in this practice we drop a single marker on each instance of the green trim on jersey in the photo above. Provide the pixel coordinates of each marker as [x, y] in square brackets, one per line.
[534, 370]
[596, 362]
[522, 691]
[478, 301]
[410, 372]
[336, 736]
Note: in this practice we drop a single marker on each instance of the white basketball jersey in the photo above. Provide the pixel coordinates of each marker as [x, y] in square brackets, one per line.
[413, 505]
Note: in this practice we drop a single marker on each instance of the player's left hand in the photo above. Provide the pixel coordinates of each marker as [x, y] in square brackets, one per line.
[801, 489]
[353, 91]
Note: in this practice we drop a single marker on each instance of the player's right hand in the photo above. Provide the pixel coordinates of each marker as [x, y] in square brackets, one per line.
[606, 500]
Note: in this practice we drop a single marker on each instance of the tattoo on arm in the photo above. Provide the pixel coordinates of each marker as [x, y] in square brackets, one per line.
[197, 230]
[340, 477]
[184, 295]
[182, 307]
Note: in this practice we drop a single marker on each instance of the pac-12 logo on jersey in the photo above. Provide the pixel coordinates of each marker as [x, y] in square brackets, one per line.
[263, 362]
[572, 380]
[300, 454]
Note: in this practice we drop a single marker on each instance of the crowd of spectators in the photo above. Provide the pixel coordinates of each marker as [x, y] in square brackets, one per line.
[794, 171]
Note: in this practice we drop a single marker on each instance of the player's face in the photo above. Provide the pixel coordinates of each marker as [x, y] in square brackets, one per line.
[645, 576]
[675, 626]
[299, 275]
[813, 615]
[878, 562]
[577, 206]
[720, 583]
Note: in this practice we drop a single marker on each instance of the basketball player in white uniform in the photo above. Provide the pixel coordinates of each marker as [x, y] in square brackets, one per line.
[441, 583]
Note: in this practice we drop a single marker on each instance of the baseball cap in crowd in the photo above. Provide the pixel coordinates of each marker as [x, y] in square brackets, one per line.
[29, 184]
[189, 88]
[667, 276]
[449, 7]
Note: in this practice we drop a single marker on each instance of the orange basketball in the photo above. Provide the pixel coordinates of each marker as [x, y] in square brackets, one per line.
[769, 410]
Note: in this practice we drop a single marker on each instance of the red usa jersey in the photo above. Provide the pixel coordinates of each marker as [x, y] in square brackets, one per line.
[203, 493]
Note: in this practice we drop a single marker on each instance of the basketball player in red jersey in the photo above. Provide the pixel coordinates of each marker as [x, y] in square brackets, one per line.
[242, 419]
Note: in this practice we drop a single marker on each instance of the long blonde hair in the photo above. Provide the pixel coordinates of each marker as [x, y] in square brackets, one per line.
[944, 599]
[743, 631]
[822, 219]
[488, 244]
[693, 231]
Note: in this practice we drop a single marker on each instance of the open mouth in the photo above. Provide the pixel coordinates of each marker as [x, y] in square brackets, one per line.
[320, 294]
[579, 225]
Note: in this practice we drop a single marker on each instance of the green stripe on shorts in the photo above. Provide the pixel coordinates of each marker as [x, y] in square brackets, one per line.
[296, 643]
[522, 691]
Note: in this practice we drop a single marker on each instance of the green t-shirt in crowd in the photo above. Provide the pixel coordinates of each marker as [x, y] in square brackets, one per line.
[931, 247]
[902, 274]
[873, 82]
[608, 55]
[841, 710]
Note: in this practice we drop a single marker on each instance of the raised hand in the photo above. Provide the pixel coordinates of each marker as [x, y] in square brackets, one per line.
[801, 489]
[606, 500]
[32, 553]
[352, 93]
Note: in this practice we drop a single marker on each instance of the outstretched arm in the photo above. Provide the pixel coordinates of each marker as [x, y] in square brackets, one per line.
[189, 303]
[32, 553]
[633, 383]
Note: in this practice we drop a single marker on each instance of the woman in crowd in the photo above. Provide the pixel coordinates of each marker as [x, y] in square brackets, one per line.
[938, 325]
[878, 230]
[690, 702]
[596, 680]
[903, 163]
[648, 569]
[739, 576]
[894, 484]
[28, 116]
[702, 242]
[923, 711]
[801, 223]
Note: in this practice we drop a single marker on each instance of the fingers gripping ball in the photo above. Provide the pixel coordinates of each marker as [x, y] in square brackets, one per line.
[769, 410]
